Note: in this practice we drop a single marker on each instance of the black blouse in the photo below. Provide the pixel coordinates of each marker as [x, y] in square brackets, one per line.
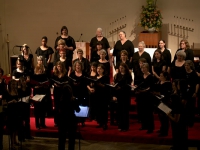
[69, 42]
[128, 46]
[167, 57]
[177, 72]
[44, 53]
[158, 66]
[192, 80]
[18, 74]
[95, 56]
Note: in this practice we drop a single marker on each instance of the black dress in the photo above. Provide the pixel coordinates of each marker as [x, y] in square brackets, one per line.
[146, 104]
[158, 67]
[28, 68]
[57, 95]
[167, 57]
[136, 68]
[40, 107]
[128, 46]
[93, 44]
[123, 94]
[102, 100]
[177, 72]
[95, 56]
[70, 43]
[18, 74]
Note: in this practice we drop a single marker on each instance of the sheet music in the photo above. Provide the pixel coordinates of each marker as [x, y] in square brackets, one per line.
[83, 111]
[160, 96]
[164, 108]
[38, 98]
[112, 85]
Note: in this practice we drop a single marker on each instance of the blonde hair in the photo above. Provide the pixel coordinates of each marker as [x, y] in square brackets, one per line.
[102, 51]
[61, 42]
[63, 71]
[181, 53]
[142, 43]
[39, 67]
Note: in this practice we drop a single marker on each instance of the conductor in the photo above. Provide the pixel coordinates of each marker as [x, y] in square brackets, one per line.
[66, 118]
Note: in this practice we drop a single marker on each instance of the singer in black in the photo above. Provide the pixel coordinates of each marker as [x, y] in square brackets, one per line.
[40, 86]
[84, 61]
[58, 79]
[27, 59]
[165, 53]
[146, 100]
[185, 47]
[100, 40]
[95, 53]
[122, 95]
[67, 121]
[45, 51]
[103, 97]
[24, 91]
[123, 44]
[12, 112]
[104, 62]
[2, 113]
[69, 41]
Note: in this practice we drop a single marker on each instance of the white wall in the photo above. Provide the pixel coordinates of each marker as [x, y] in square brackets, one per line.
[27, 21]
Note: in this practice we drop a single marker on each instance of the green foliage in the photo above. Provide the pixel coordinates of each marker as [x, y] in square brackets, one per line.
[151, 16]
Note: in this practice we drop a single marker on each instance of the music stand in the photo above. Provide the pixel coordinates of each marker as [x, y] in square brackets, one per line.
[83, 113]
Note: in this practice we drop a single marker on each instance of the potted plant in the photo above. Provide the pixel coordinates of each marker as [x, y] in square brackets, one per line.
[151, 18]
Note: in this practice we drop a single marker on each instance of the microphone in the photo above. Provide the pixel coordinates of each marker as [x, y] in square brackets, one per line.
[80, 37]
[18, 46]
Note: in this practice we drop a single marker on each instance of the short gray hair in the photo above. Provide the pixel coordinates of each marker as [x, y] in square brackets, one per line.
[181, 53]
[100, 29]
[103, 51]
[40, 58]
[190, 63]
[146, 65]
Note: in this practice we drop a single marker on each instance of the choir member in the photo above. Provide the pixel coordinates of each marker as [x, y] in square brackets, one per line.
[2, 102]
[12, 112]
[66, 118]
[104, 62]
[193, 88]
[164, 88]
[102, 97]
[59, 78]
[91, 89]
[158, 64]
[198, 94]
[46, 52]
[27, 59]
[79, 85]
[123, 59]
[146, 100]
[123, 44]
[95, 53]
[24, 92]
[140, 54]
[122, 95]
[84, 61]
[69, 41]
[40, 86]
[63, 59]
[165, 53]
[185, 47]
[101, 40]
[19, 72]
[177, 116]
[177, 69]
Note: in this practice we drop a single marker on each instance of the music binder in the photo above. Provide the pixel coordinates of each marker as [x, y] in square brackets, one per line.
[164, 108]
[39, 83]
[92, 80]
[38, 98]
[74, 80]
[60, 83]
[83, 113]
[111, 85]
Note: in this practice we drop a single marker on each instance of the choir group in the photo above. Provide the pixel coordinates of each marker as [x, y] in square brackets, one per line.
[86, 82]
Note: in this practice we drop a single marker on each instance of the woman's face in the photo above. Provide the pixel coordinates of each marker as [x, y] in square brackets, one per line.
[141, 47]
[187, 67]
[78, 67]
[39, 62]
[62, 54]
[99, 47]
[98, 33]
[122, 35]
[100, 70]
[59, 67]
[123, 56]
[157, 55]
[180, 58]
[102, 55]
[64, 32]
[182, 45]
[44, 42]
[161, 44]
[93, 68]
[25, 50]
[140, 64]
[121, 69]
[144, 69]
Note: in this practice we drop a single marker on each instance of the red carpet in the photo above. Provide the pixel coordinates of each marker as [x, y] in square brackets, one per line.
[90, 132]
